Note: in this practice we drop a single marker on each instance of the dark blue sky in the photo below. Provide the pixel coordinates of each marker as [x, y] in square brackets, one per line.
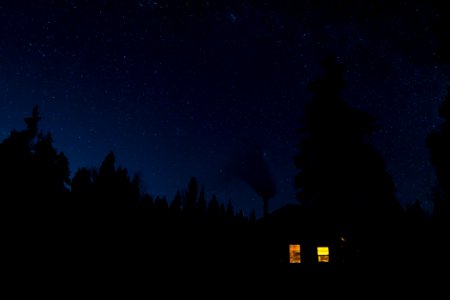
[181, 88]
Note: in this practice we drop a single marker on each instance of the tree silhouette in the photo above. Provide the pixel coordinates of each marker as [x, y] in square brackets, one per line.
[124, 196]
[103, 218]
[252, 218]
[190, 199]
[340, 175]
[34, 176]
[135, 190]
[222, 212]
[33, 179]
[213, 209]
[104, 179]
[229, 213]
[161, 206]
[16, 160]
[438, 143]
[175, 205]
[53, 170]
[82, 182]
[147, 202]
[113, 189]
[81, 190]
[201, 204]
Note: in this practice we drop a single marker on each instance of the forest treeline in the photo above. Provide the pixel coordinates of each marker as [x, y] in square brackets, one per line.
[99, 218]
[35, 180]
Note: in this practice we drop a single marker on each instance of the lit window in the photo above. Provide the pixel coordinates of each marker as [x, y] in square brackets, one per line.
[323, 254]
[294, 254]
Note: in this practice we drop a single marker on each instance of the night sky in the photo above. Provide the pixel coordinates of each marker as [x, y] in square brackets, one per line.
[188, 88]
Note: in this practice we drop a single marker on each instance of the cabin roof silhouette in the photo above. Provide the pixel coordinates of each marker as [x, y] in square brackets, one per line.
[294, 224]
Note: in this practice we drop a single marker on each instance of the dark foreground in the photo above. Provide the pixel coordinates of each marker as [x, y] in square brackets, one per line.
[97, 269]
[122, 260]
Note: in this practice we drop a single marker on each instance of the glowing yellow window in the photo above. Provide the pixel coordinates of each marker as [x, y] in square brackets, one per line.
[294, 254]
[323, 254]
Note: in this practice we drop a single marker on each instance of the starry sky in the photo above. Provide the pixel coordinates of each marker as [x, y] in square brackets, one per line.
[185, 88]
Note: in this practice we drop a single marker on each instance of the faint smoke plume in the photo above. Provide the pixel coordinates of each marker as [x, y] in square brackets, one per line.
[252, 167]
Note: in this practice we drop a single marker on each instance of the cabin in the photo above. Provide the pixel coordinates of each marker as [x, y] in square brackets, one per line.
[294, 237]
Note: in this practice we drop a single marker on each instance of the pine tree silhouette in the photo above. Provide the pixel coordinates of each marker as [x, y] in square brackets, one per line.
[229, 213]
[190, 199]
[438, 143]
[175, 205]
[341, 177]
[34, 176]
